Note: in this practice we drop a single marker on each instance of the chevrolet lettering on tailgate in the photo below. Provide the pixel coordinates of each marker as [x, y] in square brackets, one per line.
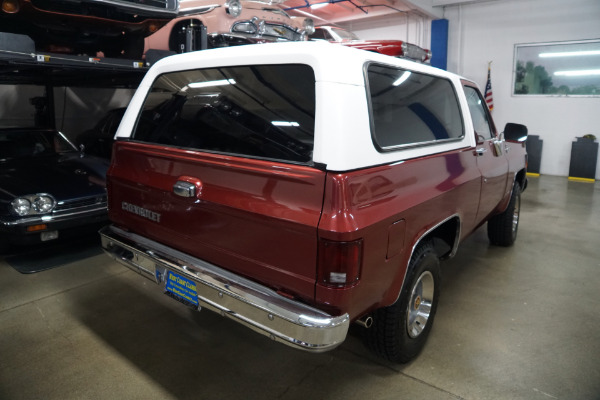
[142, 212]
[322, 186]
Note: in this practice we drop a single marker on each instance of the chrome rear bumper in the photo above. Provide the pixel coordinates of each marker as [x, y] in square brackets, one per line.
[256, 306]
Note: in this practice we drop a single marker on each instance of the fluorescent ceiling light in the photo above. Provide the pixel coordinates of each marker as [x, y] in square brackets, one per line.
[285, 123]
[198, 85]
[571, 54]
[402, 78]
[318, 5]
[585, 72]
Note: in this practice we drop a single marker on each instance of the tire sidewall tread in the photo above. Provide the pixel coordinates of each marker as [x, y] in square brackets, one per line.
[500, 227]
[388, 337]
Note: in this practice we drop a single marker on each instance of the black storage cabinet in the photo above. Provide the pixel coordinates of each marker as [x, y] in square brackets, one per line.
[534, 153]
[584, 156]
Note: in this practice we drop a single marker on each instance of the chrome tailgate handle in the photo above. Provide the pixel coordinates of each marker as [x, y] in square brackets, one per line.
[184, 189]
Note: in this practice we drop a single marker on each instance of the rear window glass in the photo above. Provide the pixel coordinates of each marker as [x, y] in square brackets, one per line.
[264, 111]
[409, 108]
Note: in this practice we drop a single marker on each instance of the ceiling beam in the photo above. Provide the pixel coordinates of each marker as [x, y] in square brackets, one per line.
[442, 3]
[427, 7]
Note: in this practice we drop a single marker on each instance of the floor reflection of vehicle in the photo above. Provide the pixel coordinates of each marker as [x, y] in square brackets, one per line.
[395, 48]
[48, 189]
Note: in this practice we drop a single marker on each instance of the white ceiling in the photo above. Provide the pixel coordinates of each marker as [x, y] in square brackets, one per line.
[336, 11]
[340, 11]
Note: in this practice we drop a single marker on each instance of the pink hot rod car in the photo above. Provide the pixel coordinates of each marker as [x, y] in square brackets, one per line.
[228, 22]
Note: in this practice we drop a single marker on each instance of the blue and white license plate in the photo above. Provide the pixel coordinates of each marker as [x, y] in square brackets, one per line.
[182, 289]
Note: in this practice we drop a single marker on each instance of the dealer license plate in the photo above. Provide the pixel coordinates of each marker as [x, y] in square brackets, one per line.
[181, 289]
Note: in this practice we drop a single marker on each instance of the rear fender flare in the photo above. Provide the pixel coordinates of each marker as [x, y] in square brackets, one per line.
[424, 236]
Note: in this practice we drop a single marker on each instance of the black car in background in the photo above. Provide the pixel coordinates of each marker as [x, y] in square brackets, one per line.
[48, 189]
[99, 140]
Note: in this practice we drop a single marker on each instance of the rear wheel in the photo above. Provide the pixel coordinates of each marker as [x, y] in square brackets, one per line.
[502, 228]
[400, 331]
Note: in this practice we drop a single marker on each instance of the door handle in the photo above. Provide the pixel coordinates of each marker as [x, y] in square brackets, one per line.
[184, 189]
[480, 151]
[187, 187]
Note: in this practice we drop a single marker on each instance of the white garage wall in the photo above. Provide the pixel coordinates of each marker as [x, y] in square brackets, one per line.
[411, 28]
[487, 31]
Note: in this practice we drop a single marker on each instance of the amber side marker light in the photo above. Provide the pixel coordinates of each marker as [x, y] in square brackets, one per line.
[10, 6]
[37, 228]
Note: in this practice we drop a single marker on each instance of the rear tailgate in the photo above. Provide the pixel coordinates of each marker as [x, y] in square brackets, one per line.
[237, 141]
[252, 217]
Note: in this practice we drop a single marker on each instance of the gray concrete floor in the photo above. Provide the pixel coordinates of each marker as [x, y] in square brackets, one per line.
[513, 323]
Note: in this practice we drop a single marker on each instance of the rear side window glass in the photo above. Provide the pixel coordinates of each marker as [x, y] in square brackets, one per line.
[259, 111]
[410, 108]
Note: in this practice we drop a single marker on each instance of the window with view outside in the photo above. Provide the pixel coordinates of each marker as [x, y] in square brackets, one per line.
[262, 111]
[410, 108]
[559, 68]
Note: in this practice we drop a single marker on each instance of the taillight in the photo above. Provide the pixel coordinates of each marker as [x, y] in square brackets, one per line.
[404, 48]
[10, 6]
[427, 56]
[339, 263]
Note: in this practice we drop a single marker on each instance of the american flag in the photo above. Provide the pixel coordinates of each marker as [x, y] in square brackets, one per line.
[488, 89]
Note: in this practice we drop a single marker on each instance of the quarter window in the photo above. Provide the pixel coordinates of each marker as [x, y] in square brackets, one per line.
[410, 108]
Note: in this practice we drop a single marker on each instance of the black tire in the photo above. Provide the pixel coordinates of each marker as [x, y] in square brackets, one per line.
[397, 333]
[503, 228]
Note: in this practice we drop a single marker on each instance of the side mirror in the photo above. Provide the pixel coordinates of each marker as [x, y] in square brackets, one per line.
[515, 132]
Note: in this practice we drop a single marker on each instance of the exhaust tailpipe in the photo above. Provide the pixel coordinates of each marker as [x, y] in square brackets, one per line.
[365, 322]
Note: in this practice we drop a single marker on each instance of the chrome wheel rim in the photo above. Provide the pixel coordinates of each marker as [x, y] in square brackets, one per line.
[419, 304]
[515, 219]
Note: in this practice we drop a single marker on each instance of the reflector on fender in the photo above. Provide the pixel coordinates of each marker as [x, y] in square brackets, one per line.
[36, 228]
[339, 263]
